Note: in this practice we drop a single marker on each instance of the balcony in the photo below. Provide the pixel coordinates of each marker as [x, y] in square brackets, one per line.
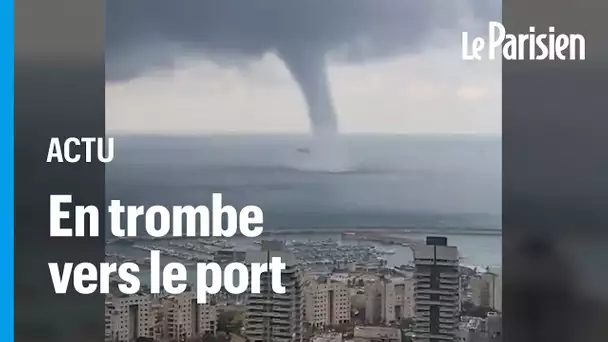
[448, 321]
[443, 314]
[450, 275]
[439, 291]
[421, 324]
[424, 262]
[451, 309]
[254, 326]
[255, 320]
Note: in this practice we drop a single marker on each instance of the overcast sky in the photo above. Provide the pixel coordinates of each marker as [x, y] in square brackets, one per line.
[426, 90]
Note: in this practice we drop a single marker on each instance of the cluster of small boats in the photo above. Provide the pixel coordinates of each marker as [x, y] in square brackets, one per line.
[333, 253]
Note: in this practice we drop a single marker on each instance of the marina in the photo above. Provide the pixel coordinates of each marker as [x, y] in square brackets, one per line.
[332, 254]
[317, 253]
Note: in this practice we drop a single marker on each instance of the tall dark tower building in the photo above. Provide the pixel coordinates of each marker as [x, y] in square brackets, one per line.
[437, 291]
[273, 317]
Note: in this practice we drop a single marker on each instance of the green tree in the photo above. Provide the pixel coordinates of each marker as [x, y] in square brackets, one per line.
[229, 322]
[406, 325]
[209, 338]
[467, 306]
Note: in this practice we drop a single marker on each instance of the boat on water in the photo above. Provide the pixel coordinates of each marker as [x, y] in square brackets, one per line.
[216, 243]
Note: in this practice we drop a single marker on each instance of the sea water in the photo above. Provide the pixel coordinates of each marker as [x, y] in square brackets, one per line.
[374, 181]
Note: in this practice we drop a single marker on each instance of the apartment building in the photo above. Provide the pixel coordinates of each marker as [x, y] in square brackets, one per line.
[389, 300]
[272, 317]
[486, 289]
[128, 317]
[437, 291]
[327, 302]
[158, 317]
[185, 318]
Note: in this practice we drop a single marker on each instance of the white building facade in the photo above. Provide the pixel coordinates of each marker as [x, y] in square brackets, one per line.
[327, 302]
[158, 317]
[486, 290]
[128, 317]
[389, 300]
[185, 318]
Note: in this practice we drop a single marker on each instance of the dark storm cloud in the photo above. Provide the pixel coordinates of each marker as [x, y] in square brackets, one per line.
[250, 28]
[144, 35]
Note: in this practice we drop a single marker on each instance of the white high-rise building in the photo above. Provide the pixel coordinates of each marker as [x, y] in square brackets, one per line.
[172, 317]
[185, 318]
[128, 317]
[327, 302]
[273, 317]
[156, 319]
[389, 300]
[497, 284]
[112, 321]
[486, 290]
[437, 291]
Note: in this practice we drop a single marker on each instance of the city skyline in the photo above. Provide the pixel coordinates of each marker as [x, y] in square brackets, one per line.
[430, 300]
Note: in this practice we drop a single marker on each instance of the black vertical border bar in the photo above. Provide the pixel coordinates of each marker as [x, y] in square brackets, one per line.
[59, 92]
[555, 179]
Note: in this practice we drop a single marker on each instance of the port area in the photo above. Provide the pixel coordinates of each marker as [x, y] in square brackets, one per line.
[382, 238]
[384, 234]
